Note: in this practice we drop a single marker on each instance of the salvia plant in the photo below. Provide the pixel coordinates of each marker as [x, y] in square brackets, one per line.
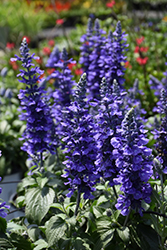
[106, 189]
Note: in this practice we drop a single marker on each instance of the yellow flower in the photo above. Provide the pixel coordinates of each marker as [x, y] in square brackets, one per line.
[165, 18]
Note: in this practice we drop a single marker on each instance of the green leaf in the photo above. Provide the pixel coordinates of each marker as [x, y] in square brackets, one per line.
[20, 201]
[38, 202]
[71, 221]
[97, 211]
[155, 182]
[100, 187]
[80, 244]
[148, 237]
[5, 242]
[14, 227]
[28, 181]
[116, 215]
[42, 181]
[103, 223]
[156, 197]
[123, 234]
[20, 242]
[4, 127]
[104, 239]
[58, 206]
[3, 225]
[33, 233]
[40, 244]
[55, 229]
[101, 200]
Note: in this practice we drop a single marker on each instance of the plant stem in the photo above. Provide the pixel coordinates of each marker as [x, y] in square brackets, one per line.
[78, 201]
[10, 182]
[127, 217]
[115, 192]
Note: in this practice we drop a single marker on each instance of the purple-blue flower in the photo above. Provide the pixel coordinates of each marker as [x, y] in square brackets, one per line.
[39, 135]
[134, 161]
[161, 132]
[113, 56]
[109, 118]
[53, 58]
[80, 145]
[3, 206]
[91, 50]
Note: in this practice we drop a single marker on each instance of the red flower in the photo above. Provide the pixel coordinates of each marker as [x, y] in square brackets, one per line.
[46, 51]
[50, 71]
[10, 46]
[27, 39]
[14, 64]
[111, 4]
[142, 61]
[62, 6]
[128, 65]
[59, 21]
[71, 65]
[79, 71]
[140, 49]
[137, 49]
[51, 43]
[140, 40]
[39, 61]
[144, 49]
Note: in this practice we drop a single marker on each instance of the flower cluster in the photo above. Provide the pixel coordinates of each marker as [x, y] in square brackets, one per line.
[161, 133]
[62, 76]
[134, 161]
[141, 59]
[39, 133]
[103, 57]
[109, 118]
[80, 145]
[90, 54]
[114, 56]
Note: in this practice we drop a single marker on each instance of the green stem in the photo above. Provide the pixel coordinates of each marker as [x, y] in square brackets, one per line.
[115, 192]
[127, 217]
[163, 209]
[78, 201]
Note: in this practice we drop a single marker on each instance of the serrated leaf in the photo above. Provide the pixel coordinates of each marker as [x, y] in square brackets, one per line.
[103, 223]
[55, 229]
[123, 234]
[4, 242]
[97, 211]
[105, 239]
[38, 202]
[41, 244]
[13, 227]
